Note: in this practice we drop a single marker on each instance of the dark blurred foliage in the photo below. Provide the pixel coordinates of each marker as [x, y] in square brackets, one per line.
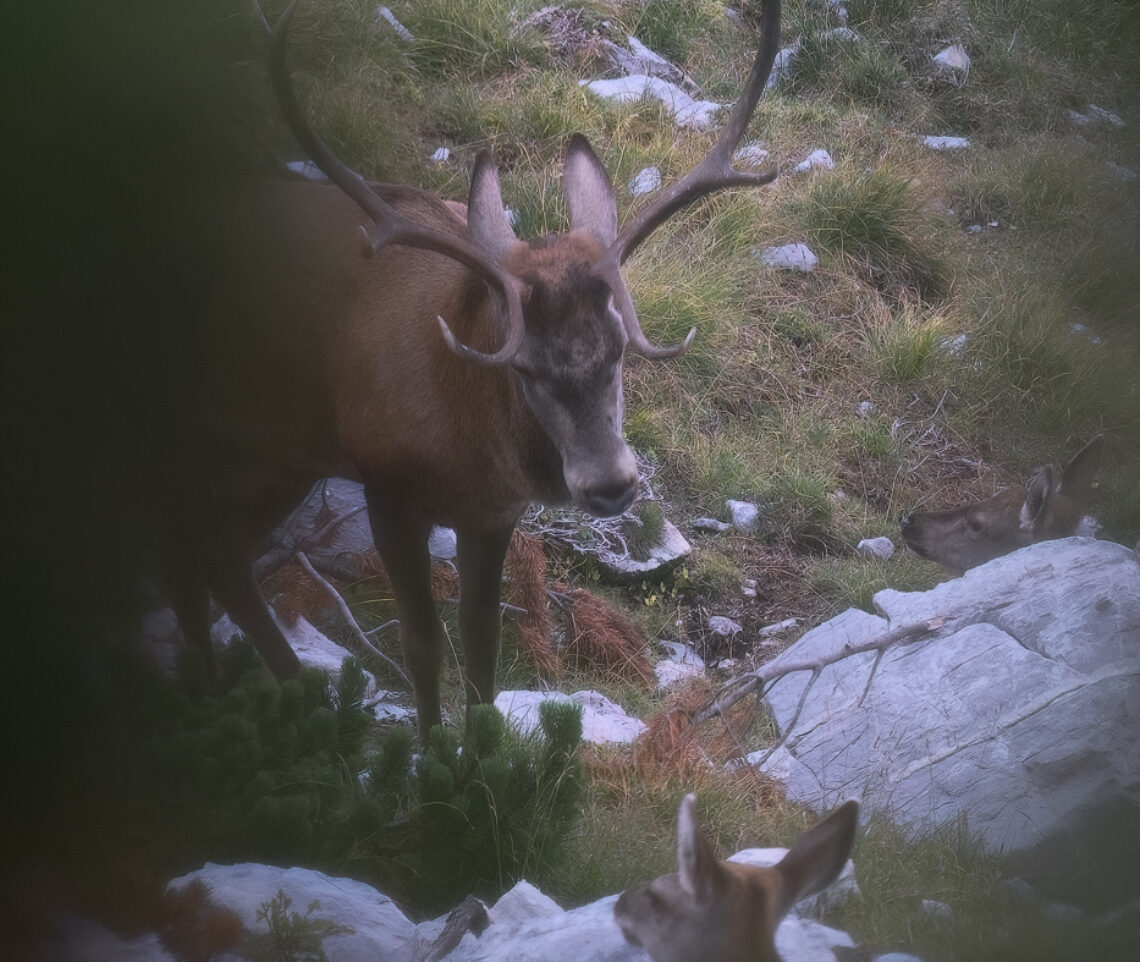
[117, 116]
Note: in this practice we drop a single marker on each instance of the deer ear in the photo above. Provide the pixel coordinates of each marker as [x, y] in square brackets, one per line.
[588, 192]
[697, 867]
[1076, 482]
[818, 856]
[1040, 489]
[486, 219]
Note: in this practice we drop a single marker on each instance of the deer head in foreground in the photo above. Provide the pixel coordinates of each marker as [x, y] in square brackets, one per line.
[458, 372]
[1050, 506]
[713, 911]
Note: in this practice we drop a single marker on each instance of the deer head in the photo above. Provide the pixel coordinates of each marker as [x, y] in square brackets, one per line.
[713, 911]
[1049, 506]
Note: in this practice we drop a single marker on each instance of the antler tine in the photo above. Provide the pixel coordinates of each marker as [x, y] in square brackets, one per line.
[391, 227]
[714, 172]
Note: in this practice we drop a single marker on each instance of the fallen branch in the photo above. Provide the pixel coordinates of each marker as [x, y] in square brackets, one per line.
[763, 678]
[342, 607]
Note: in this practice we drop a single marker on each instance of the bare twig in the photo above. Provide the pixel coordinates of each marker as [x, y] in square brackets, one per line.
[342, 607]
[764, 677]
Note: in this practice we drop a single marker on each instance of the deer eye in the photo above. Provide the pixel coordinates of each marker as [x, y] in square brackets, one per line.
[974, 525]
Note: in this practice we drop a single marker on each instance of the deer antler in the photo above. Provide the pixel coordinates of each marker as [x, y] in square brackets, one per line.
[391, 227]
[714, 172]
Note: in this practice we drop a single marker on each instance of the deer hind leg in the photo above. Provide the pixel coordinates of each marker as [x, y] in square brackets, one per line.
[401, 537]
[480, 555]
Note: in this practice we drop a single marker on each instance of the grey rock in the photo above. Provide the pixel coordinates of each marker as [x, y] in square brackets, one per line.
[645, 181]
[1020, 714]
[686, 112]
[603, 721]
[724, 627]
[880, 547]
[711, 524]
[744, 514]
[380, 929]
[935, 142]
[789, 257]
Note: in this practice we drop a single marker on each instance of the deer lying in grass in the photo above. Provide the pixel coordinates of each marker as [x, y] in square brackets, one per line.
[1050, 506]
[458, 372]
[713, 911]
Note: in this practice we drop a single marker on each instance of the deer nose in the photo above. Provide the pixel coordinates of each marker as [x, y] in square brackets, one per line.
[905, 521]
[611, 498]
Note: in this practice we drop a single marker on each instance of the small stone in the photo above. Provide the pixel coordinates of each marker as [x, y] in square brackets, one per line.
[711, 524]
[946, 143]
[938, 909]
[769, 630]
[745, 515]
[954, 346]
[383, 13]
[724, 627]
[844, 34]
[1099, 113]
[817, 158]
[682, 654]
[645, 181]
[792, 257]
[866, 409]
[669, 673]
[783, 64]
[875, 547]
[751, 155]
[442, 543]
[953, 59]
[511, 216]
[441, 156]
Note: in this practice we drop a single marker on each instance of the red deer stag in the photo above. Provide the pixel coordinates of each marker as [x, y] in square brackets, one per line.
[1050, 506]
[458, 372]
[716, 911]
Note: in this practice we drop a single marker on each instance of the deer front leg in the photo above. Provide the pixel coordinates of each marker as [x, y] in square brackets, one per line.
[236, 589]
[401, 537]
[480, 554]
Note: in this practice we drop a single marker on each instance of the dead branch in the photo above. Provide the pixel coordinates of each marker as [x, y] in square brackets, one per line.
[763, 678]
[342, 606]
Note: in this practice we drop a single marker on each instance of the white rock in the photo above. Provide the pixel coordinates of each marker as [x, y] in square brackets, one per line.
[897, 957]
[511, 216]
[751, 155]
[953, 59]
[1123, 173]
[670, 673]
[603, 721]
[1099, 113]
[745, 515]
[380, 929]
[783, 64]
[672, 549]
[1020, 713]
[946, 143]
[442, 543]
[818, 158]
[954, 346]
[383, 13]
[792, 257]
[866, 408]
[441, 155]
[386, 707]
[337, 549]
[645, 181]
[845, 34]
[880, 547]
[938, 909]
[769, 630]
[686, 112]
[682, 654]
[724, 627]
[711, 524]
